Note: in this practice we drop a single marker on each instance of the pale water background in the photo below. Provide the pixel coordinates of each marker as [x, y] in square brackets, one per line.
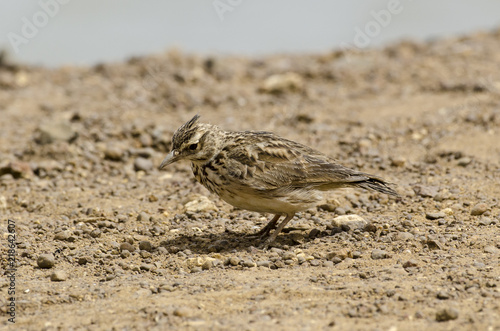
[86, 32]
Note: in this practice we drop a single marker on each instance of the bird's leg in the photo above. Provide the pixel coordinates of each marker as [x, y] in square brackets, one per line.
[278, 230]
[265, 230]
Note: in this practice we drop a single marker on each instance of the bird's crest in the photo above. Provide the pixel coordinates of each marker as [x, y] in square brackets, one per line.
[185, 132]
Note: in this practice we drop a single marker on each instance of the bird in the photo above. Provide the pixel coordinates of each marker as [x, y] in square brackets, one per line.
[262, 172]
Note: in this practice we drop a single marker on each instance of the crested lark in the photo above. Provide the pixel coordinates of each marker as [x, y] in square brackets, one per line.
[262, 172]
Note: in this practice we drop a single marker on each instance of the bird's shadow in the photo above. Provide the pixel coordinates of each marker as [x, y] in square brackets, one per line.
[229, 241]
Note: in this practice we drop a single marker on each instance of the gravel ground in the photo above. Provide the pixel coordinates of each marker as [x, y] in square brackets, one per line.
[104, 240]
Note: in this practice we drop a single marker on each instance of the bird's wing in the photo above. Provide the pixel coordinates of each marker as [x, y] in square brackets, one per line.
[267, 162]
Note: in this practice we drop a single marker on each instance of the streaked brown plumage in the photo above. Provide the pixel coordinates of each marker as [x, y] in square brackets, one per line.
[262, 172]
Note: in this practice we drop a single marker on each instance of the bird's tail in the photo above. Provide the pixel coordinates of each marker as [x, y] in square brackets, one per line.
[375, 184]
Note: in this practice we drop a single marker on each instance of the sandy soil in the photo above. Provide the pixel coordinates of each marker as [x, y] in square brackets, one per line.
[104, 240]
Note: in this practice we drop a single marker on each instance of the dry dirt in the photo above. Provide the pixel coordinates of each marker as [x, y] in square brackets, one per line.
[130, 247]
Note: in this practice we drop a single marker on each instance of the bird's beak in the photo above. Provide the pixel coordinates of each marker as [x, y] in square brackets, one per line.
[170, 158]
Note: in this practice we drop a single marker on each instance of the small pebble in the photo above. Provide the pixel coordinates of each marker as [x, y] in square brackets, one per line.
[446, 314]
[64, 236]
[442, 295]
[84, 260]
[234, 261]
[335, 260]
[183, 312]
[313, 263]
[398, 161]
[479, 209]
[113, 153]
[352, 221]
[464, 161]
[124, 254]
[145, 246]
[142, 217]
[126, 247]
[266, 264]
[357, 255]
[434, 216]
[329, 264]
[410, 264]
[46, 261]
[249, 264]
[147, 266]
[485, 221]
[196, 269]
[491, 250]
[379, 254]
[58, 276]
[143, 164]
[404, 236]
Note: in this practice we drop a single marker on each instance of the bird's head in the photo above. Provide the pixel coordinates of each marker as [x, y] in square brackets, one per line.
[194, 141]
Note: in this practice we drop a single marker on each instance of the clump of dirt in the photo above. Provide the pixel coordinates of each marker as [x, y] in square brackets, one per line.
[105, 240]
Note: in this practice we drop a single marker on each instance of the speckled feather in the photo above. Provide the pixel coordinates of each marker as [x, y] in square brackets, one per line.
[263, 172]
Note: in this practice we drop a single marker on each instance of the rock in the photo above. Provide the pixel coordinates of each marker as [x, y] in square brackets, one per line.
[58, 276]
[281, 83]
[147, 266]
[403, 236]
[194, 262]
[143, 216]
[425, 191]
[114, 153]
[209, 263]
[96, 233]
[265, 264]
[313, 263]
[491, 250]
[124, 254]
[142, 164]
[184, 312]
[314, 233]
[64, 236]
[398, 161]
[447, 314]
[328, 207]
[435, 216]
[145, 246]
[127, 247]
[479, 209]
[352, 221]
[410, 264]
[485, 221]
[55, 131]
[340, 254]
[464, 161]
[249, 263]
[378, 254]
[46, 261]
[145, 140]
[234, 261]
[433, 244]
[329, 264]
[357, 255]
[200, 204]
[443, 295]
[17, 169]
[84, 260]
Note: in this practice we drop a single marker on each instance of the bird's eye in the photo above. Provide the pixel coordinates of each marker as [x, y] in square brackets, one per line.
[193, 147]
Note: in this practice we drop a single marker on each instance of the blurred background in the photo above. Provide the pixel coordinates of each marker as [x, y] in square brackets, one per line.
[65, 32]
